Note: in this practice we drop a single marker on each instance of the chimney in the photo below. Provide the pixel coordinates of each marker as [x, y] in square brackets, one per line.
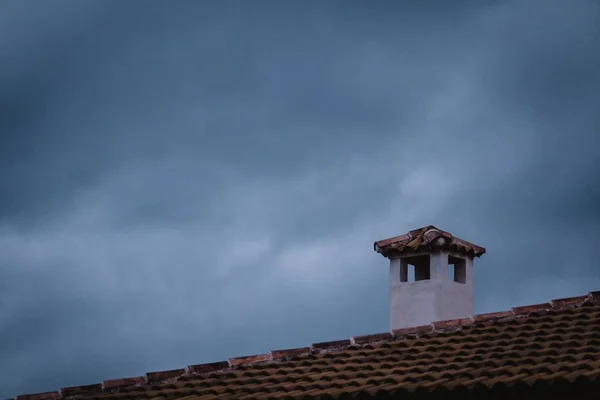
[431, 276]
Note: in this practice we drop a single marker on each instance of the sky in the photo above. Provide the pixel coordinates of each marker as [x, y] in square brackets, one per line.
[184, 182]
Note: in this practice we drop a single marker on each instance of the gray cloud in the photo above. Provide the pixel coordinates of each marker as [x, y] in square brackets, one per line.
[187, 184]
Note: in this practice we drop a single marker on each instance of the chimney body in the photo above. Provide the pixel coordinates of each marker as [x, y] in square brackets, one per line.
[431, 276]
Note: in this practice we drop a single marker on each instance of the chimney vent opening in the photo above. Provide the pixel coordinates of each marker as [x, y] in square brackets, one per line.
[414, 269]
[457, 269]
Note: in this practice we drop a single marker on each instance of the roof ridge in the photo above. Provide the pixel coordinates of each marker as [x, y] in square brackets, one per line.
[426, 238]
[114, 385]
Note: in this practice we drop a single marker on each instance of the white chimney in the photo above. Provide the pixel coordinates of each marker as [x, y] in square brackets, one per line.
[431, 276]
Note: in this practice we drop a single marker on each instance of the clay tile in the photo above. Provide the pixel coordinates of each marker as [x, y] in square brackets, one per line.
[164, 375]
[249, 359]
[377, 337]
[77, 390]
[452, 323]
[491, 316]
[508, 318]
[39, 396]
[568, 301]
[117, 383]
[329, 345]
[530, 309]
[392, 240]
[413, 330]
[595, 295]
[428, 236]
[279, 354]
[208, 367]
[432, 234]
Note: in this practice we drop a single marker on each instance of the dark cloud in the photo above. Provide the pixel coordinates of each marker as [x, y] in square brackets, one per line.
[186, 183]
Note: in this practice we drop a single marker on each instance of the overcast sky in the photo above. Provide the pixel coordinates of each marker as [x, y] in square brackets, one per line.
[184, 182]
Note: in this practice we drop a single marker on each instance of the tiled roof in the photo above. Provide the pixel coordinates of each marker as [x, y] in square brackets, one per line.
[426, 238]
[551, 348]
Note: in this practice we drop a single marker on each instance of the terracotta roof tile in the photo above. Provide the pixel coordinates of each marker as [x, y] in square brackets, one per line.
[491, 316]
[551, 348]
[453, 323]
[595, 294]
[249, 359]
[117, 383]
[531, 308]
[425, 238]
[412, 331]
[330, 345]
[207, 367]
[80, 390]
[377, 337]
[568, 301]
[288, 353]
[164, 375]
[39, 396]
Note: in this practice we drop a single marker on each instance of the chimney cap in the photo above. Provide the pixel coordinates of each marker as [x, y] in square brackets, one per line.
[427, 238]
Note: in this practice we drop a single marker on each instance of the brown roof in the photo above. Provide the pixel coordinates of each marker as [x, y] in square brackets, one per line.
[426, 238]
[551, 348]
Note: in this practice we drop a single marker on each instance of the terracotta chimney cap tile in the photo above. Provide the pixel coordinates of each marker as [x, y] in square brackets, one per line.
[392, 240]
[428, 237]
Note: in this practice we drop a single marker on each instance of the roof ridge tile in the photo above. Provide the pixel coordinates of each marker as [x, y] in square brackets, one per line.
[426, 238]
[416, 330]
[491, 316]
[289, 353]
[595, 295]
[39, 396]
[375, 337]
[251, 359]
[79, 390]
[111, 384]
[531, 308]
[158, 376]
[207, 367]
[452, 323]
[330, 345]
[568, 301]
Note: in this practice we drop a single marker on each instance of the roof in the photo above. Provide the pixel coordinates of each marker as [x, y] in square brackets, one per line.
[544, 348]
[426, 238]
